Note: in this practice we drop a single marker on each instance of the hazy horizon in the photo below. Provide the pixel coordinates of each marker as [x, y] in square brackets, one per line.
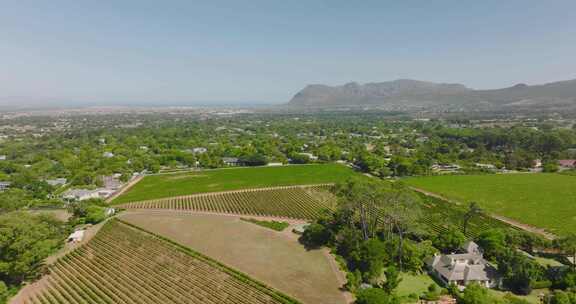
[263, 52]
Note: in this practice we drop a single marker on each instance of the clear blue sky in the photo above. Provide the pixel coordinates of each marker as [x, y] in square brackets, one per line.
[144, 51]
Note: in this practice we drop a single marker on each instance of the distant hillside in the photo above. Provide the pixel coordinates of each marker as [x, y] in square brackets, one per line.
[406, 92]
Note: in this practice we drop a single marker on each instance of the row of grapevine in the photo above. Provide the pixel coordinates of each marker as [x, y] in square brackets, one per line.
[298, 202]
[125, 264]
[438, 215]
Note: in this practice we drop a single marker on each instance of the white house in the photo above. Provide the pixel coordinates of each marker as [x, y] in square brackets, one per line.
[231, 161]
[57, 182]
[80, 194]
[108, 154]
[3, 157]
[199, 150]
[464, 268]
[4, 186]
[485, 166]
[76, 236]
[310, 156]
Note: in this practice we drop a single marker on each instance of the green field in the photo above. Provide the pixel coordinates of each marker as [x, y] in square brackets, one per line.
[169, 185]
[542, 200]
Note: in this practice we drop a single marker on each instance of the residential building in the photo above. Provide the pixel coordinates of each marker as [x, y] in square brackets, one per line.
[4, 186]
[80, 194]
[111, 182]
[231, 161]
[463, 268]
[310, 156]
[567, 163]
[57, 182]
[199, 150]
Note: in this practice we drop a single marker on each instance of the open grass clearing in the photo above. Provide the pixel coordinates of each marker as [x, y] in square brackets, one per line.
[179, 184]
[275, 258]
[414, 284]
[274, 225]
[59, 214]
[541, 200]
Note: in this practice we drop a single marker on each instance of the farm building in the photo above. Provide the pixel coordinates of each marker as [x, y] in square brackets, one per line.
[464, 268]
[108, 154]
[2, 157]
[76, 236]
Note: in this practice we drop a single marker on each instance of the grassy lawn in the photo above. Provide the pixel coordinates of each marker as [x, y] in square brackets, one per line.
[274, 225]
[541, 200]
[414, 284]
[548, 262]
[276, 259]
[168, 185]
[533, 297]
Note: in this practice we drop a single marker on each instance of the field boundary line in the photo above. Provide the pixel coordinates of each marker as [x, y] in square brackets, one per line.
[290, 220]
[503, 219]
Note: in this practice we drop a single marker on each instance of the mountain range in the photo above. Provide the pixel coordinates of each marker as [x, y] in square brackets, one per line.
[407, 92]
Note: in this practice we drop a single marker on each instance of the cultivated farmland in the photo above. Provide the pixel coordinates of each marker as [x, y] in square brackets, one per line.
[438, 215]
[124, 264]
[542, 200]
[275, 258]
[299, 202]
[170, 185]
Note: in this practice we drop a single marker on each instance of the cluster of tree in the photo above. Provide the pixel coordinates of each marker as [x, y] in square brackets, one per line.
[520, 273]
[370, 231]
[25, 241]
[376, 233]
[561, 297]
[93, 147]
[91, 211]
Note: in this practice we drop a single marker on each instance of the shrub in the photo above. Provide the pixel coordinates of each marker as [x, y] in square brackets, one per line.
[374, 296]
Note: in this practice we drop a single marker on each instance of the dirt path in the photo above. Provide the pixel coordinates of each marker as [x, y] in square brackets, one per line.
[509, 221]
[525, 227]
[125, 188]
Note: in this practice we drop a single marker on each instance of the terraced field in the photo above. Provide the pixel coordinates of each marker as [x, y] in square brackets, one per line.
[125, 264]
[298, 202]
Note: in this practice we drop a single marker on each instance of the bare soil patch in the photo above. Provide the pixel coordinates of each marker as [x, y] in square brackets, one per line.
[275, 258]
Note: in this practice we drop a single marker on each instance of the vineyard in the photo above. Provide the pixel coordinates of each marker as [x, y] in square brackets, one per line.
[298, 202]
[438, 215]
[125, 264]
[205, 181]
